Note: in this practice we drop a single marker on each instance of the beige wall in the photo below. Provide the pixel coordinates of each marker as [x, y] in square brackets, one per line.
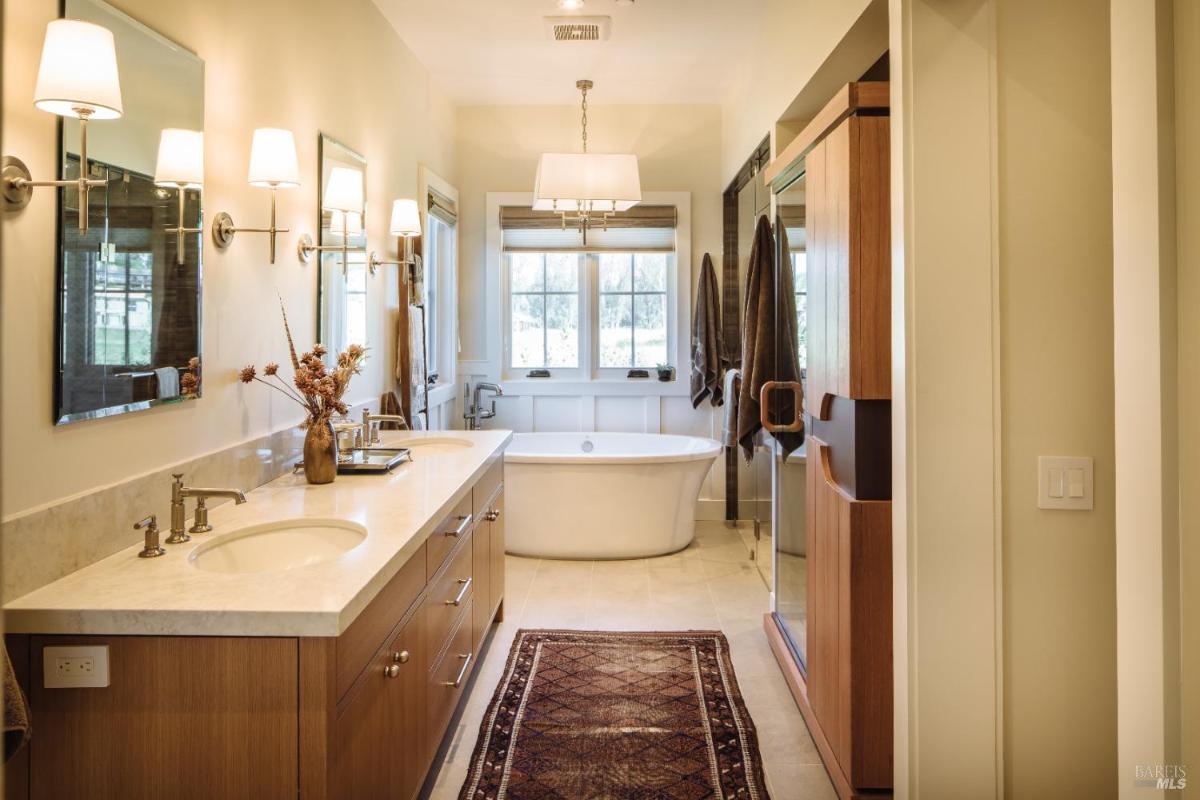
[1187, 154]
[1056, 349]
[678, 149]
[796, 37]
[268, 63]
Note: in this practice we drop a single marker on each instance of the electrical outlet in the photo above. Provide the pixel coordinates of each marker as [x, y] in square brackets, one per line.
[75, 667]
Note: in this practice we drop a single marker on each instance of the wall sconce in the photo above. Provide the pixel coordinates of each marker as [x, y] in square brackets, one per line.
[273, 166]
[344, 198]
[181, 166]
[406, 223]
[77, 78]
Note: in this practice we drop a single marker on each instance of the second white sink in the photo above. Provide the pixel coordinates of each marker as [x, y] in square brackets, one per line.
[277, 546]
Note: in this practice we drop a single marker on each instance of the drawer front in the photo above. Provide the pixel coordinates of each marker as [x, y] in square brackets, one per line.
[448, 678]
[487, 485]
[481, 555]
[366, 634]
[449, 596]
[452, 530]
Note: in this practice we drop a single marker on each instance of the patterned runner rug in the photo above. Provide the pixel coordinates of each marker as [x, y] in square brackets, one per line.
[582, 714]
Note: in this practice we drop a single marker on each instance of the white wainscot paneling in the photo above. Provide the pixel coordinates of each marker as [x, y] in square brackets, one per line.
[513, 413]
[622, 414]
[557, 414]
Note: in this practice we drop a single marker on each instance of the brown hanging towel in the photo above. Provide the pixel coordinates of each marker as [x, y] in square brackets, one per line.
[390, 404]
[770, 351]
[708, 366]
[17, 729]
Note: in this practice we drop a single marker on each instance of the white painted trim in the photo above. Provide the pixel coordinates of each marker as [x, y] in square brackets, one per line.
[447, 289]
[946, 534]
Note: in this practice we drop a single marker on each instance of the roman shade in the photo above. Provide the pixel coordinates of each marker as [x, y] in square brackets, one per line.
[641, 229]
[443, 208]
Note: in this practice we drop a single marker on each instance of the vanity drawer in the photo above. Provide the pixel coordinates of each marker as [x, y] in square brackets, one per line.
[449, 532]
[448, 677]
[487, 485]
[449, 595]
[367, 633]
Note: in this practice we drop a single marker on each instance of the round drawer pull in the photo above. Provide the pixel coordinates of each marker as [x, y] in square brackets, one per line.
[492, 515]
[401, 657]
[391, 671]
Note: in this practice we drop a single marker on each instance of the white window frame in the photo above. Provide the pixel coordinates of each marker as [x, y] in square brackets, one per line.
[446, 295]
[510, 372]
[672, 292]
[588, 379]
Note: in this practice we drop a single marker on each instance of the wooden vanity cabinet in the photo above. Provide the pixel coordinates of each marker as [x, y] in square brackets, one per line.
[361, 715]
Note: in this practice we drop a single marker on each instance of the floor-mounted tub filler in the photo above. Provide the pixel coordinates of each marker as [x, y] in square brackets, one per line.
[603, 495]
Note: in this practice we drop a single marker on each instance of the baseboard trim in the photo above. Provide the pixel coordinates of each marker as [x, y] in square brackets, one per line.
[710, 510]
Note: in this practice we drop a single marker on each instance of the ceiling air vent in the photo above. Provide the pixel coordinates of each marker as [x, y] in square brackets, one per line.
[578, 29]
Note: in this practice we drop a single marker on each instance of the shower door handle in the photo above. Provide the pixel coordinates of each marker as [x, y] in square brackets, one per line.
[764, 395]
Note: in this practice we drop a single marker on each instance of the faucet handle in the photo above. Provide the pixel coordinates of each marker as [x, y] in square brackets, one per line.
[151, 548]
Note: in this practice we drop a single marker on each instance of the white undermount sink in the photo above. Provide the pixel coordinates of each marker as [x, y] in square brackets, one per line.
[277, 546]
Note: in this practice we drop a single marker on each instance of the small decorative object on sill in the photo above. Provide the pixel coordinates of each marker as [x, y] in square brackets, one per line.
[538, 373]
[638, 373]
[189, 381]
[319, 392]
[666, 373]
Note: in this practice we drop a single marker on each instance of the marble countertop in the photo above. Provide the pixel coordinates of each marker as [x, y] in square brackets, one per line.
[124, 594]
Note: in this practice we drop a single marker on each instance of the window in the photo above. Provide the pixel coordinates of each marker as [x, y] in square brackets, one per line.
[544, 310]
[121, 302]
[633, 310]
[591, 305]
[800, 287]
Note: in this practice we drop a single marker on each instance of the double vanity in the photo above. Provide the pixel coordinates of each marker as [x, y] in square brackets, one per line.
[316, 643]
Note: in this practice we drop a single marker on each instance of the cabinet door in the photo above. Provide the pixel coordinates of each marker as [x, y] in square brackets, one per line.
[381, 734]
[496, 590]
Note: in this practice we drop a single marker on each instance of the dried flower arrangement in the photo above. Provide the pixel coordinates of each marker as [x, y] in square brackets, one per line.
[189, 382]
[317, 389]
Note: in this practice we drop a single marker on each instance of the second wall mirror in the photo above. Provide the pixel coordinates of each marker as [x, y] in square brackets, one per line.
[342, 311]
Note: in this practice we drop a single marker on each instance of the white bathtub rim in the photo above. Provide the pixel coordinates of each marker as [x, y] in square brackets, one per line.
[710, 450]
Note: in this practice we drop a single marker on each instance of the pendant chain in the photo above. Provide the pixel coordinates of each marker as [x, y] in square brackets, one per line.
[584, 120]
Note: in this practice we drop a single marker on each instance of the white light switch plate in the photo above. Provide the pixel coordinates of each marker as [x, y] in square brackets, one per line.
[75, 667]
[1065, 483]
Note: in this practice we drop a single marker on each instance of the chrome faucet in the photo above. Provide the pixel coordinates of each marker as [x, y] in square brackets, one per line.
[475, 414]
[179, 492]
[370, 433]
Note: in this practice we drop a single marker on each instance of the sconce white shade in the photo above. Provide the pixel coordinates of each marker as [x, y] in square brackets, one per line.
[78, 71]
[406, 218]
[587, 182]
[273, 161]
[345, 222]
[180, 159]
[344, 191]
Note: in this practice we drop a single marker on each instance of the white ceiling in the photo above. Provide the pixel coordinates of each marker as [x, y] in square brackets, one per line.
[495, 52]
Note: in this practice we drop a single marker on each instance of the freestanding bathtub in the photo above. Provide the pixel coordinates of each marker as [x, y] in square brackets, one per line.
[603, 495]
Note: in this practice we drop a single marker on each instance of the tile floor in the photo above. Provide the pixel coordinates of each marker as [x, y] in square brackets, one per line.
[710, 585]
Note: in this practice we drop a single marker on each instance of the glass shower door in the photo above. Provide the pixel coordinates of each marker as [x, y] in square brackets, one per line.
[789, 469]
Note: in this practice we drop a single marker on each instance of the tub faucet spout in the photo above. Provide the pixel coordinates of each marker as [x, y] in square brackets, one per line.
[475, 414]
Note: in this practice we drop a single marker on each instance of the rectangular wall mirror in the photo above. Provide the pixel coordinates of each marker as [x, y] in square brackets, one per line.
[128, 313]
[342, 311]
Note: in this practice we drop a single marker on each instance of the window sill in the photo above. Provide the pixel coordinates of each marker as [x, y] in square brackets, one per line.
[628, 387]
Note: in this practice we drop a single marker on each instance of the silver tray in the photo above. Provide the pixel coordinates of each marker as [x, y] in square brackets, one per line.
[374, 459]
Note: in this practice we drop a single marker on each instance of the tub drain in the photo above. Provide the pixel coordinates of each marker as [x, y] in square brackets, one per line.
[587, 446]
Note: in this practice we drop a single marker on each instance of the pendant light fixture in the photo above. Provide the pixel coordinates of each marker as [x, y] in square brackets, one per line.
[586, 188]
